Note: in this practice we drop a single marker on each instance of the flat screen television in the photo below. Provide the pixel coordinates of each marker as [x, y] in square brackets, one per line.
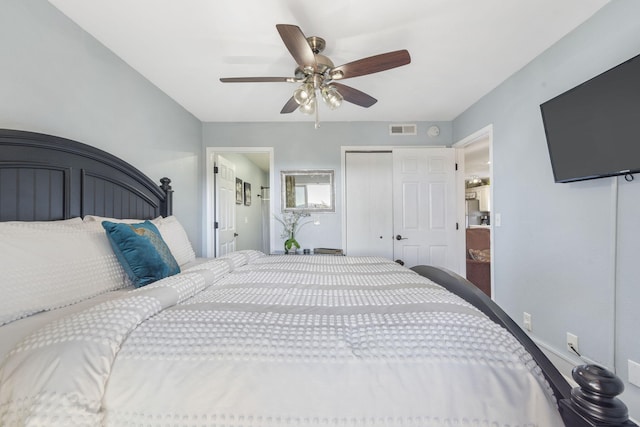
[593, 130]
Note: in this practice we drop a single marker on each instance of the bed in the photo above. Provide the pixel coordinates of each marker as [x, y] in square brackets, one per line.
[246, 339]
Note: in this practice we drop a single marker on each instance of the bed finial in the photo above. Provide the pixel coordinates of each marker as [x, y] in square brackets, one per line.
[594, 400]
[165, 183]
[167, 208]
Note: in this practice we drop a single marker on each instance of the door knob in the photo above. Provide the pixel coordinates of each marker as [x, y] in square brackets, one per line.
[235, 234]
[399, 237]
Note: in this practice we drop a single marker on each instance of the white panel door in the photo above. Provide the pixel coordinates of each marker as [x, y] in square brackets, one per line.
[425, 206]
[225, 206]
[368, 203]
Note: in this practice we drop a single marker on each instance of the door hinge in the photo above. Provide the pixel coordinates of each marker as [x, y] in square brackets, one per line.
[215, 169]
[457, 226]
[456, 166]
[215, 224]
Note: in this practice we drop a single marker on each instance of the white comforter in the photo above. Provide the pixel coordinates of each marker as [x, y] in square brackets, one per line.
[280, 341]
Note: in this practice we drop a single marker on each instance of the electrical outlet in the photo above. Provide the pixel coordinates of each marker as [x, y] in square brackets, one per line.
[572, 341]
[634, 372]
[497, 219]
[526, 321]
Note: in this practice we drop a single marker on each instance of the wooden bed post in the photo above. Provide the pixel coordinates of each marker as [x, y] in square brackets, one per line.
[167, 208]
[594, 402]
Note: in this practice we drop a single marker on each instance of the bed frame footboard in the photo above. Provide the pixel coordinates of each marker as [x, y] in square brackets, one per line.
[593, 404]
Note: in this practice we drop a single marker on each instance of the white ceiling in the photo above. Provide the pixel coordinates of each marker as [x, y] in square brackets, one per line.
[460, 49]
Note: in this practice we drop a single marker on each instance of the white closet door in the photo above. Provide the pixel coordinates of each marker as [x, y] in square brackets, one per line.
[369, 203]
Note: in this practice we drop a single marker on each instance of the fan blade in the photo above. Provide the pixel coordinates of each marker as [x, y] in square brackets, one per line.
[298, 45]
[257, 79]
[354, 95]
[370, 65]
[290, 106]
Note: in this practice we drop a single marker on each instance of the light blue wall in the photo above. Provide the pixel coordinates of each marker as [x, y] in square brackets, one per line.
[566, 253]
[56, 79]
[298, 145]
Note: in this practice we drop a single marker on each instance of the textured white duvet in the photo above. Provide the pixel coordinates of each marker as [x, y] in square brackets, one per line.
[280, 341]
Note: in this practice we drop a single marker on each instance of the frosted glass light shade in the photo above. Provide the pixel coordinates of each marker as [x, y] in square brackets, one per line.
[331, 97]
[304, 94]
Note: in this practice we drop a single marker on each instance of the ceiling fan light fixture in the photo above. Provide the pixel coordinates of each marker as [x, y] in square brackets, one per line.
[331, 96]
[309, 107]
[315, 73]
[336, 74]
[304, 93]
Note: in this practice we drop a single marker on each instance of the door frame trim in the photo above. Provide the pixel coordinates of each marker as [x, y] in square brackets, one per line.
[209, 212]
[485, 132]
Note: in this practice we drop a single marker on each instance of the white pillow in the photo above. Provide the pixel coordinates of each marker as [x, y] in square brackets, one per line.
[237, 258]
[50, 265]
[49, 224]
[243, 257]
[176, 238]
[99, 219]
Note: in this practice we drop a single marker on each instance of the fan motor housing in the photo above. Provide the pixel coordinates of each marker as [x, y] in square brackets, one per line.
[317, 44]
[323, 63]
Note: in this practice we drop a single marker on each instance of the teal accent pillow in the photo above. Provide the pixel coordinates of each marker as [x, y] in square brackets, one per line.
[144, 256]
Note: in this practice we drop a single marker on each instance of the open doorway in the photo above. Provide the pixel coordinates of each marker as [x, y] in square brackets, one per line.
[238, 217]
[476, 152]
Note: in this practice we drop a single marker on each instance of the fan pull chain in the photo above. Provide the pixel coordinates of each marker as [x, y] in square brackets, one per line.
[317, 124]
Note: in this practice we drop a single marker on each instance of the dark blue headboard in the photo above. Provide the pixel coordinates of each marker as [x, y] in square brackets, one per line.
[44, 177]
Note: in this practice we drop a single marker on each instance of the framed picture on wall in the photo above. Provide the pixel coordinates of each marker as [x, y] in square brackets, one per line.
[238, 191]
[247, 194]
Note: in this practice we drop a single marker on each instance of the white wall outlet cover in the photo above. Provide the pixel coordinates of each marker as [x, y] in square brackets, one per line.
[526, 321]
[634, 372]
[497, 219]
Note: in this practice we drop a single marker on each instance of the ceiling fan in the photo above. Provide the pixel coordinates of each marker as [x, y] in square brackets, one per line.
[316, 73]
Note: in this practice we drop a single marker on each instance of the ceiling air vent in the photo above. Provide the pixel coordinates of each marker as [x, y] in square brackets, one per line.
[403, 130]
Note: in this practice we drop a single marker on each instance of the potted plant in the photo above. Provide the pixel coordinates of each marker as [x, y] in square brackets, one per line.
[291, 223]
